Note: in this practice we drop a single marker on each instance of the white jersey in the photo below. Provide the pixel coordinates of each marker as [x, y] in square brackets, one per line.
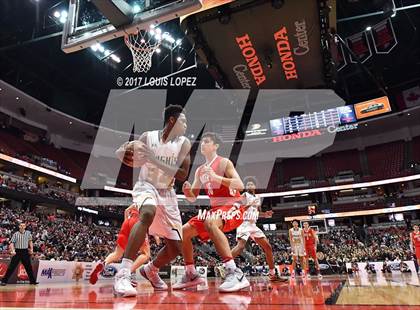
[253, 202]
[156, 188]
[167, 153]
[296, 235]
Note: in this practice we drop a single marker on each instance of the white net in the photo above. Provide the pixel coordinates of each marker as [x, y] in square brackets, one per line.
[142, 46]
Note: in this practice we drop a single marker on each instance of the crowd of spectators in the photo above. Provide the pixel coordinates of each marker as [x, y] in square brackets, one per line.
[65, 237]
[27, 185]
[58, 237]
[338, 247]
[374, 244]
[37, 160]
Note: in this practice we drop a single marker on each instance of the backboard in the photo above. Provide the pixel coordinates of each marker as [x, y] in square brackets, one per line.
[86, 25]
[320, 226]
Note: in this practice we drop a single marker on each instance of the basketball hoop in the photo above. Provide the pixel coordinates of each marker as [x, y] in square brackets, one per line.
[142, 46]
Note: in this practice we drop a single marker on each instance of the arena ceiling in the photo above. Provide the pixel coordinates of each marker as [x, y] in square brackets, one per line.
[78, 84]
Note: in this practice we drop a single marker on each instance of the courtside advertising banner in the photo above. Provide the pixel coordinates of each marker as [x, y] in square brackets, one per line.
[19, 276]
[84, 270]
[54, 271]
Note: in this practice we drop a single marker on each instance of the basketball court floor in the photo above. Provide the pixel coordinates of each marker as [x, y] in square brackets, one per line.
[332, 292]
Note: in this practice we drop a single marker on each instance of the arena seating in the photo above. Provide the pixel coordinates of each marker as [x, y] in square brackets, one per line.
[62, 158]
[416, 150]
[340, 161]
[386, 160]
[297, 167]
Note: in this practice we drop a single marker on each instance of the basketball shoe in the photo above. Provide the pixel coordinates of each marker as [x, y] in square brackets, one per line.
[235, 281]
[122, 284]
[189, 280]
[151, 274]
[95, 273]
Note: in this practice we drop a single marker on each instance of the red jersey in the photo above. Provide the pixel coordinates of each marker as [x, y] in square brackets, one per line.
[310, 237]
[415, 239]
[220, 195]
[133, 212]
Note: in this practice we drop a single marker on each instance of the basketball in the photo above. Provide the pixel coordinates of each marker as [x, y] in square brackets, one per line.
[135, 153]
[131, 155]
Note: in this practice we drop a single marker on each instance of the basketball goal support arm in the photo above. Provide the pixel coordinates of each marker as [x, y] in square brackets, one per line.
[337, 39]
[118, 12]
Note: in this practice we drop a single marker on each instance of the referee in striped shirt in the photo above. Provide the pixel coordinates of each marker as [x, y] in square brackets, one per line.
[21, 248]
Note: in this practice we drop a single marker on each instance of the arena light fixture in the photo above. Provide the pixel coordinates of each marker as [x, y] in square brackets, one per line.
[158, 36]
[136, 8]
[115, 58]
[354, 213]
[25, 164]
[94, 47]
[368, 28]
[291, 194]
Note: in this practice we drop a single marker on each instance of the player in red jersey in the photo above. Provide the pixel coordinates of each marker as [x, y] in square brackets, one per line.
[311, 242]
[221, 182]
[415, 243]
[131, 217]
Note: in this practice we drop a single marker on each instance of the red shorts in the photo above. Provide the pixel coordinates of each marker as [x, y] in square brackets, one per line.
[417, 253]
[125, 230]
[232, 220]
[310, 251]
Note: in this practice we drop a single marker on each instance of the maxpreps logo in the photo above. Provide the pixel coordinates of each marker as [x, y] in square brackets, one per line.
[51, 272]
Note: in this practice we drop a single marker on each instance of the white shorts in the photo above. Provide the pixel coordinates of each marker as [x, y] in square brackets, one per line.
[298, 250]
[167, 222]
[249, 229]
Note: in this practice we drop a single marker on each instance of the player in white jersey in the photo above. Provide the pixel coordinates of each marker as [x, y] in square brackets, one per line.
[249, 229]
[298, 247]
[166, 156]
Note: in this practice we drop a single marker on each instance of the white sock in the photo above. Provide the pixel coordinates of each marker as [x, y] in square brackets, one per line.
[151, 267]
[272, 272]
[230, 265]
[126, 263]
[190, 269]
